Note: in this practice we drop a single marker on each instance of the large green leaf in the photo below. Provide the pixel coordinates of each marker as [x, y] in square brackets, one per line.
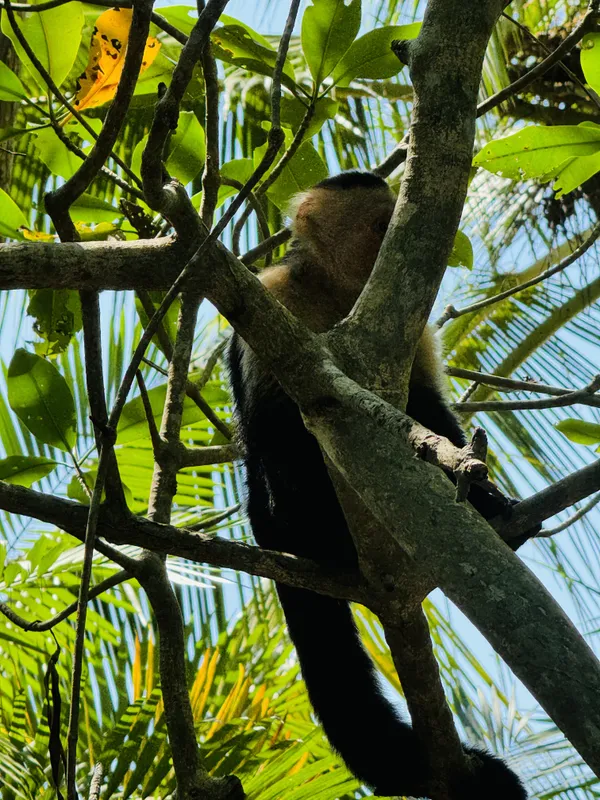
[328, 29]
[462, 252]
[11, 217]
[54, 36]
[41, 398]
[590, 59]
[90, 208]
[293, 111]
[371, 56]
[237, 44]
[57, 317]
[304, 170]
[133, 423]
[25, 470]
[579, 431]
[538, 152]
[11, 87]
[186, 151]
[55, 154]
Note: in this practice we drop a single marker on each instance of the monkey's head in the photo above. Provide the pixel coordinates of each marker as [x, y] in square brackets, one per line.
[340, 223]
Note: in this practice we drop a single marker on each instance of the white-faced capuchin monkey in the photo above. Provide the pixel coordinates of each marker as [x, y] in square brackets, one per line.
[338, 228]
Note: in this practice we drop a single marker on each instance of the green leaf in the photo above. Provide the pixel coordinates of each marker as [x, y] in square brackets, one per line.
[182, 17]
[293, 111]
[76, 491]
[238, 44]
[371, 56]
[304, 170]
[55, 154]
[538, 152]
[25, 470]
[57, 317]
[328, 29]
[462, 252]
[11, 87]
[41, 398]
[11, 217]
[225, 19]
[133, 424]
[54, 36]
[590, 59]
[187, 149]
[579, 431]
[89, 208]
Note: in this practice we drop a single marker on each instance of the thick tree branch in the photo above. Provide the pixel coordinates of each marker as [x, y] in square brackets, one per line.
[550, 501]
[445, 64]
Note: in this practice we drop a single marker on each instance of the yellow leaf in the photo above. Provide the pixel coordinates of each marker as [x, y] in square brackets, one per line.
[98, 83]
[37, 236]
[137, 670]
[150, 667]
[299, 764]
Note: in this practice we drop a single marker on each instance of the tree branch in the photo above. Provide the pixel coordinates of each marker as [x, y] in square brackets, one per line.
[197, 547]
[587, 24]
[510, 385]
[453, 313]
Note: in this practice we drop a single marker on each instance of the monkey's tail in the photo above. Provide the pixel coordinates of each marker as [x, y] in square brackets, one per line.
[379, 748]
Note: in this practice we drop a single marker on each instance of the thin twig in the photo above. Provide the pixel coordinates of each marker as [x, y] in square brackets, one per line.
[211, 363]
[450, 312]
[274, 174]
[214, 519]
[210, 176]
[157, 442]
[77, 667]
[569, 399]
[501, 383]
[254, 203]
[152, 159]
[577, 486]
[38, 626]
[96, 782]
[565, 47]
[267, 246]
[92, 344]
[585, 509]
[164, 483]
[104, 170]
[569, 72]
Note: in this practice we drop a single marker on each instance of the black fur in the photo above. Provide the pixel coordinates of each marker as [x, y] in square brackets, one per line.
[293, 507]
[353, 179]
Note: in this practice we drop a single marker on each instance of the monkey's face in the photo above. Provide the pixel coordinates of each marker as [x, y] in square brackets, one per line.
[343, 230]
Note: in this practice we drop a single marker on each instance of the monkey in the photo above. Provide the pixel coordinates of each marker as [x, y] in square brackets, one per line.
[337, 230]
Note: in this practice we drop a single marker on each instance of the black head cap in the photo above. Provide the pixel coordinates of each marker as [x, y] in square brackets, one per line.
[353, 179]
